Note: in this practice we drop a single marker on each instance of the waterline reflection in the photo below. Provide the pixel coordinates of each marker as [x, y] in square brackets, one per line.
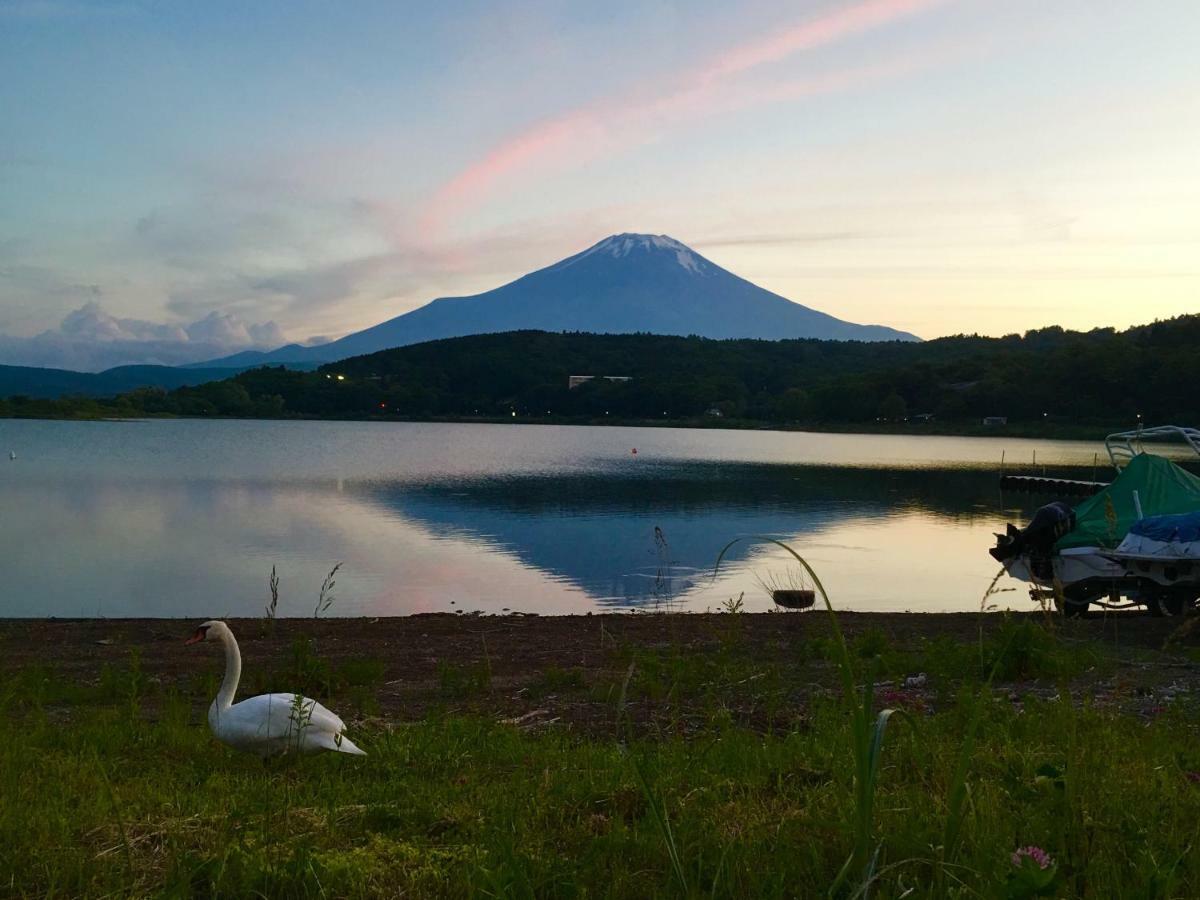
[187, 519]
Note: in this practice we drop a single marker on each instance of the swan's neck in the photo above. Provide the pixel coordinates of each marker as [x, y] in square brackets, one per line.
[233, 670]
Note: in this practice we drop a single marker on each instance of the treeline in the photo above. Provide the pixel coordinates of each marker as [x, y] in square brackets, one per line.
[1049, 374]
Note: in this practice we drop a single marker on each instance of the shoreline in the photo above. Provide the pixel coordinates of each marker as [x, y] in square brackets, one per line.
[415, 652]
[529, 668]
[1022, 431]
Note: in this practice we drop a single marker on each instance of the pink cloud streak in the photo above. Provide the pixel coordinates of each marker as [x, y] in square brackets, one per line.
[591, 130]
[813, 33]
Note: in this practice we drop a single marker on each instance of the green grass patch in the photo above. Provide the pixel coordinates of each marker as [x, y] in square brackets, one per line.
[114, 786]
[554, 682]
[465, 681]
[454, 806]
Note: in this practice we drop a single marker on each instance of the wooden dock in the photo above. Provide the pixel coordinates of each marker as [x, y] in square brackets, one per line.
[1041, 484]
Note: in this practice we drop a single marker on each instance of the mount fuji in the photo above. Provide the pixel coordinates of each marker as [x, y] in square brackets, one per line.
[626, 283]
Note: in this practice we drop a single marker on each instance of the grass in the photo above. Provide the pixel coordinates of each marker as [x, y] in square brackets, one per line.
[325, 598]
[867, 729]
[114, 787]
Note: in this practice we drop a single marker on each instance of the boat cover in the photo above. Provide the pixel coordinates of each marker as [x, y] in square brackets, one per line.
[1183, 528]
[1163, 488]
[1167, 537]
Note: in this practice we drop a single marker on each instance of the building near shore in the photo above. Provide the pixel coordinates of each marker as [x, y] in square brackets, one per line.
[574, 381]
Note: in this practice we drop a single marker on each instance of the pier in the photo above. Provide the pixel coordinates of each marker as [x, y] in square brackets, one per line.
[1042, 484]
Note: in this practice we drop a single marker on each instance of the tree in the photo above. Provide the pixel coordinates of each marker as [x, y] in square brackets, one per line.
[793, 405]
[893, 408]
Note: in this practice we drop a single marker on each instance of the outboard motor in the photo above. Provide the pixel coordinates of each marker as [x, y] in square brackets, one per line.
[1036, 540]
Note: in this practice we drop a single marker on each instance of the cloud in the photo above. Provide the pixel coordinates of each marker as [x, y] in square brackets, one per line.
[809, 35]
[582, 134]
[230, 331]
[266, 334]
[320, 285]
[221, 329]
[91, 339]
[91, 324]
[295, 257]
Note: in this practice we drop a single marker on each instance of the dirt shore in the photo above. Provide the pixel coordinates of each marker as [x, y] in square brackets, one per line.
[562, 669]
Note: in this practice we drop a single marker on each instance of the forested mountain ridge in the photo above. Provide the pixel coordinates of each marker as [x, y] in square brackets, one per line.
[1096, 376]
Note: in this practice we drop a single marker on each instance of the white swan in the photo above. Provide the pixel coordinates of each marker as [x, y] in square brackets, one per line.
[268, 724]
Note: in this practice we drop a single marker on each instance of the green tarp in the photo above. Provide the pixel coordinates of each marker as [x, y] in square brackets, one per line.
[1162, 487]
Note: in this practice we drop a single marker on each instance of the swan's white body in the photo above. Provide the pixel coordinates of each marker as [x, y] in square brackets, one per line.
[269, 724]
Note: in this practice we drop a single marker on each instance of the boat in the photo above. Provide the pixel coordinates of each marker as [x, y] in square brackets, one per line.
[1134, 542]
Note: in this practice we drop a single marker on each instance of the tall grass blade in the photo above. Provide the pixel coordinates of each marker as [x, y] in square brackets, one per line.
[325, 598]
[624, 693]
[663, 822]
[952, 831]
[877, 732]
[116, 808]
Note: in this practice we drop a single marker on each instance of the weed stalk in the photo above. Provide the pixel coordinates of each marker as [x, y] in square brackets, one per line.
[867, 733]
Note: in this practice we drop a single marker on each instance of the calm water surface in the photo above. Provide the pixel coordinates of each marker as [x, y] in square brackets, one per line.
[186, 518]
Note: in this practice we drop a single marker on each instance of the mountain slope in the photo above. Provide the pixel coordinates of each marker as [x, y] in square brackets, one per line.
[49, 383]
[626, 283]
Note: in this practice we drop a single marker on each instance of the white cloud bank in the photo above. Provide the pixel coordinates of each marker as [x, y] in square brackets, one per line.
[89, 339]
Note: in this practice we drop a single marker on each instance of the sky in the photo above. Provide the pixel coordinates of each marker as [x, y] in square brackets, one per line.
[190, 177]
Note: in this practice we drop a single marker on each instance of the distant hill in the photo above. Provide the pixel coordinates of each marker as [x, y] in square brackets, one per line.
[49, 383]
[1045, 378]
[627, 283]
[290, 355]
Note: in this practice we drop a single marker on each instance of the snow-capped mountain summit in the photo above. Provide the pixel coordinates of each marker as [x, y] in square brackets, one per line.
[625, 283]
[621, 245]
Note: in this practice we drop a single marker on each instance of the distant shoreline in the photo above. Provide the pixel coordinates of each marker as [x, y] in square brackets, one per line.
[1033, 430]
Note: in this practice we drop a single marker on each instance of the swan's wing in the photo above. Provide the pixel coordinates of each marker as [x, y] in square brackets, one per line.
[256, 721]
[271, 723]
[276, 715]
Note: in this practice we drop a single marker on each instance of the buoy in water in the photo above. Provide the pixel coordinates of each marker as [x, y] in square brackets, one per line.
[634, 451]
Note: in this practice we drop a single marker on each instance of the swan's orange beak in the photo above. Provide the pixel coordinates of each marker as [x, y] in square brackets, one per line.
[197, 637]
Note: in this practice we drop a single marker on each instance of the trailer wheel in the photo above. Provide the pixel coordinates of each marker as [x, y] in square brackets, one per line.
[1165, 603]
[1071, 608]
[1074, 601]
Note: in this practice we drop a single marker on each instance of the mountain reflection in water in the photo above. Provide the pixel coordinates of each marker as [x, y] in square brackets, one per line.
[597, 532]
[187, 518]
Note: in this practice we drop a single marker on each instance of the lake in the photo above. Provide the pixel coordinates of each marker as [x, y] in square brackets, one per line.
[187, 518]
